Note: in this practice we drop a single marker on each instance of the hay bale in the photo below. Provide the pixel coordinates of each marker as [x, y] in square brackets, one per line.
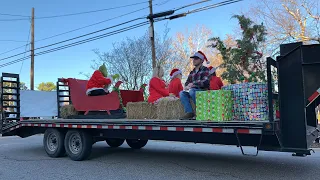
[171, 109]
[67, 110]
[141, 110]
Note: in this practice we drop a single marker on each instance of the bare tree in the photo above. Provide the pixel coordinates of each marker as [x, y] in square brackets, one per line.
[288, 20]
[131, 59]
[188, 42]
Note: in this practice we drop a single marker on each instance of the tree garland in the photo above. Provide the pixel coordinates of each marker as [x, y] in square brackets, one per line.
[117, 89]
[143, 87]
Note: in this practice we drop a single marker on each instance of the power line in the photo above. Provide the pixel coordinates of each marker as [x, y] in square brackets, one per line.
[92, 24]
[70, 14]
[28, 45]
[159, 4]
[204, 1]
[79, 42]
[13, 49]
[11, 41]
[223, 3]
[3, 14]
[73, 38]
[87, 12]
[189, 12]
[89, 33]
[25, 49]
[94, 38]
[76, 29]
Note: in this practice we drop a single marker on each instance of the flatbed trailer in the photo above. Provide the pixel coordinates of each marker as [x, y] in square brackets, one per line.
[295, 130]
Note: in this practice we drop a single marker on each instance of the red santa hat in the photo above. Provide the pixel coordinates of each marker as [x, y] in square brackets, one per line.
[174, 72]
[212, 69]
[200, 55]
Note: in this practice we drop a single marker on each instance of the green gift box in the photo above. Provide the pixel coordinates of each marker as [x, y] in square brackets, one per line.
[214, 105]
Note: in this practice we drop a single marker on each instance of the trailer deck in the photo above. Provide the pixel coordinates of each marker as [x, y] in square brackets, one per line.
[252, 127]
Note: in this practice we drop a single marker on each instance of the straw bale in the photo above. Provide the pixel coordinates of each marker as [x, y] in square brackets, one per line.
[169, 109]
[141, 110]
[68, 110]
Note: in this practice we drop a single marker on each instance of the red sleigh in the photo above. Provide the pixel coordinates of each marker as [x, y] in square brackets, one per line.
[105, 106]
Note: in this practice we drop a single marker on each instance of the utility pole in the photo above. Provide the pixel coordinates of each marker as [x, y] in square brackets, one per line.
[151, 31]
[32, 52]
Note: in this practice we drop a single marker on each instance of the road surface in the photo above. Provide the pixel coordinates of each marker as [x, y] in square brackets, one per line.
[25, 159]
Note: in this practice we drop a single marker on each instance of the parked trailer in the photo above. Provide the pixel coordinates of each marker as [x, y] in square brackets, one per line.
[298, 67]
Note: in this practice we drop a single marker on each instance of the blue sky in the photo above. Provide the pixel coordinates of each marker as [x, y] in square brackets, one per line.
[70, 62]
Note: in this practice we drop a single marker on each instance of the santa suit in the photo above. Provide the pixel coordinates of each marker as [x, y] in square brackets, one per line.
[97, 82]
[175, 87]
[215, 83]
[157, 89]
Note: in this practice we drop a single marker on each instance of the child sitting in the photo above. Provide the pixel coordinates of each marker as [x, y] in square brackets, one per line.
[157, 87]
[215, 82]
[175, 86]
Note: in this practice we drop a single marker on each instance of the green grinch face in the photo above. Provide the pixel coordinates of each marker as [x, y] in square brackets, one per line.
[103, 70]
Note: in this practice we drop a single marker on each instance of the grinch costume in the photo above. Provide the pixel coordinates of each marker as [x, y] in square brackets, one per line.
[99, 82]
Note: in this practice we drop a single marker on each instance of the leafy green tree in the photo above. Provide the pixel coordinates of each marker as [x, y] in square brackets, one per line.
[46, 86]
[244, 62]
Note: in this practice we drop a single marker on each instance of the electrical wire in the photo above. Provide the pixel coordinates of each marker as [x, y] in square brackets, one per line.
[92, 24]
[24, 57]
[11, 41]
[16, 15]
[13, 49]
[159, 4]
[93, 38]
[79, 42]
[204, 1]
[89, 33]
[84, 27]
[74, 38]
[76, 29]
[26, 48]
[74, 14]
[71, 14]
[189, 12]
[223, 3]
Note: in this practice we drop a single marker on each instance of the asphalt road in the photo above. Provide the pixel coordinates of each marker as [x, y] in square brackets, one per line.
[25, 159]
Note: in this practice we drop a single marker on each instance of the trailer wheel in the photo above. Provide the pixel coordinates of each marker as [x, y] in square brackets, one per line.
[136, 143]
[78, 144]
[53, 142]
[114, 142]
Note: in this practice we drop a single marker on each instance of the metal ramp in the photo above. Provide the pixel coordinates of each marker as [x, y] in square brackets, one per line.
[10, 100]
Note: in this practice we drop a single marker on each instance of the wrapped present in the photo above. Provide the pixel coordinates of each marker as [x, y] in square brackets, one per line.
[214, 105]
[250, 101]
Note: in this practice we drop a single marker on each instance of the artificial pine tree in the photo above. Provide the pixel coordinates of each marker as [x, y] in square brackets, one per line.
[243, 63]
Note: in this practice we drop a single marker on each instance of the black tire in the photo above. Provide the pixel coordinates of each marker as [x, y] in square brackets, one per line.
[53, 142]
[136, 143]
[78, 144]
[114, 142]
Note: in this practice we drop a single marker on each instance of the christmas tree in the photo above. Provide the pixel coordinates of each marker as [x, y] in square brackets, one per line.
[244, 62]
